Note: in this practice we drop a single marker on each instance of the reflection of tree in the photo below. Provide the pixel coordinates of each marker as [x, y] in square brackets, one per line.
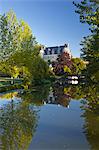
[8, 96]
[91, 128]
[92, 97]
[75, 92]
[90, 104]
[61, 97]
[91, 115]
[18, 120]
[17, 125]
[36, 96]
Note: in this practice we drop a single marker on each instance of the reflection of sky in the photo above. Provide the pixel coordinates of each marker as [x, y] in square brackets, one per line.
[4, 101]
[60, 128]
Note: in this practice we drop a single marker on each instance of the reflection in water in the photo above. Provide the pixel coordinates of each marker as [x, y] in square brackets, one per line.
[72, 81]
[17, 124]
[91, 115]
[19, 118]
[57, 96]
[91, 128]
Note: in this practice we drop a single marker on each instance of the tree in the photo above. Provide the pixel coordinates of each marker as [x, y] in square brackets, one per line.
[90, 53]
[20, 50]
[78, 66]
[40, 70]
[15, 35]
[8, 35]
[89, 13]
[63, 64]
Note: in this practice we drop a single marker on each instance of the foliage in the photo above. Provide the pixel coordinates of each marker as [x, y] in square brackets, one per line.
[90, 53]
[19, 50]
[67, 69]
[63, 64]
[78, 65]
[36, 95]
[89, 13]
[67, 65]
[8, 35]
[39, 70]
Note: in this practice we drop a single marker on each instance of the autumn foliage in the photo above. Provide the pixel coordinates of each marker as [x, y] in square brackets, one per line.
[63, 61]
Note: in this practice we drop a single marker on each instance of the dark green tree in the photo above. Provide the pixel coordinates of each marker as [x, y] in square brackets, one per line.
[89, 13]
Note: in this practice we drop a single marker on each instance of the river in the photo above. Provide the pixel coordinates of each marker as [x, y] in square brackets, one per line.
[50, 118]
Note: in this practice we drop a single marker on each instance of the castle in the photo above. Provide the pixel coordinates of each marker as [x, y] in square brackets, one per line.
[51, 53]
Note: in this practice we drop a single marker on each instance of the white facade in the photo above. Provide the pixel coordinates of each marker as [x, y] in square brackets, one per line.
[52, 53]
[52, 57]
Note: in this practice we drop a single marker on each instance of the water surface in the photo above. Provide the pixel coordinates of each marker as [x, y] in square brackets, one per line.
[56, 118]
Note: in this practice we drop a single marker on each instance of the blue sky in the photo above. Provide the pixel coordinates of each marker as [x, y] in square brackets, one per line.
[53, 22]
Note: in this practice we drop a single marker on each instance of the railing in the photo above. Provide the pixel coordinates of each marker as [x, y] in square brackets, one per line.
[7, 84]
[9, 81]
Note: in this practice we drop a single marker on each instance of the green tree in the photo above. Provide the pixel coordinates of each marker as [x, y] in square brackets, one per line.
[90, 53]
[40, 70]
[20, 50]
[89, 13]
[8, 34]
[78, 66]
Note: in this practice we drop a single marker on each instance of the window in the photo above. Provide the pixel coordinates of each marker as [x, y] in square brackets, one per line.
[50, 52]
[56, 50]
[45, 52]
[61, 50]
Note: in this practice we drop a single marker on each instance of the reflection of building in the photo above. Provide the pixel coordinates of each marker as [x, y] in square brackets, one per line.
[51, 53]
[57, 98]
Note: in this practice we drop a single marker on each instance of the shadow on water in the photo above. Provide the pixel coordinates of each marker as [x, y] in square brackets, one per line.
[19, 114]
